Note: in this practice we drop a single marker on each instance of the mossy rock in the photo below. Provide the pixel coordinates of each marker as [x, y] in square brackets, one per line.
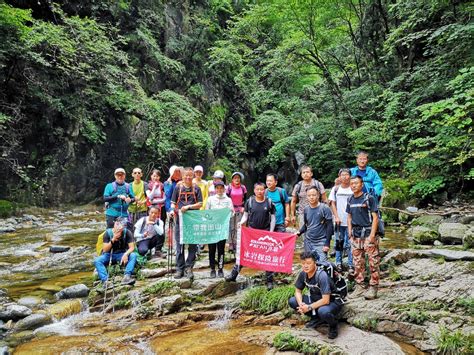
[428, 221]
[424, 235]
[7, 208]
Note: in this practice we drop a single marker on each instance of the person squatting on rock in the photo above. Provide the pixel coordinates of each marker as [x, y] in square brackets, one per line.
[117, 197]
[281, 201]
[259, 213]
[299, 195]
[319, 304]
[217, 201]
[338, 202]
[238, 194]
[149, 233]
[119, 241]
[362, 222]
[186, 196]
[137, 209]
[317, 225]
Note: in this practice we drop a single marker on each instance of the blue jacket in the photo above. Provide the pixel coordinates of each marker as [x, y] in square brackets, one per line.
[169, 188]
[372, 180]
[116, 207]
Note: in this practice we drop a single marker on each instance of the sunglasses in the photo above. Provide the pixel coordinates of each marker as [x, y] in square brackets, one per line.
[136, 172]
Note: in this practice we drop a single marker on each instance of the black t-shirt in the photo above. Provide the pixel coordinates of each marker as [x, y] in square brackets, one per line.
[320, 284]
[121, 245]
[259, 213]
[185, 196]
[358, 208]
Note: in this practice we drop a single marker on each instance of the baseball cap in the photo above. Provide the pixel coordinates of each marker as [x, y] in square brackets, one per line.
[173, 169]
[218, 174]
[238, 173]
[198, 168]
[119, 171]
[219, 183]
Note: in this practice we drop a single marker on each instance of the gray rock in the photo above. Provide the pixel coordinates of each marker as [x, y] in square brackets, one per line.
[30, 217]
[468, 239]
[427, 221]
[75, 291]
[452, 232]
[424, 235]
[449, 255]
[437, 243]
[412, 209]
[33, 321]
[153, 273]
[466, 219]
[14, 311]
[7, 229]
[30, 301]
[58, 248]
[169, 304]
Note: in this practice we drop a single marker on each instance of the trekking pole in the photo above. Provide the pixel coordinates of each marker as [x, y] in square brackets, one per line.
[107, 282]
[170, 244]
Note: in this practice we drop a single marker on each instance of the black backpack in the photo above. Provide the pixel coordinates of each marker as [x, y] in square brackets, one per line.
[381, 224]
[340, 285]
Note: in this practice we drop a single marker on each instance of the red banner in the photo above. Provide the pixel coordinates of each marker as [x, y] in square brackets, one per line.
[264, 250]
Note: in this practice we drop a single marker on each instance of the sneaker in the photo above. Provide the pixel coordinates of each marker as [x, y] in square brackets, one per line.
[332, 332]
[371, 293]
[359, 290]
[178, 274]
[339, 268]
[220, 273]
[213, 274]
[189, 273]
[269, 285]
[233, 276]
[314, 323]
[127, 280]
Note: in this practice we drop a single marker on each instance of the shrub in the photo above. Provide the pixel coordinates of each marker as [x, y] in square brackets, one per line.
[160, 288]
[6, 208]
[287, 342]
[466, 303]
[450, 343]
[415, 316]
[263, 301]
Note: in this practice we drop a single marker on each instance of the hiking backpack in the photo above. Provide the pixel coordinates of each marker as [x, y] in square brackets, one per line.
[339, 293]
[180, 192]
[381, 224]
[115, 188]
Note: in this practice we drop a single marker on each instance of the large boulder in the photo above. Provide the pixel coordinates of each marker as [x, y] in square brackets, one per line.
[14, 311]
[427, 221]
[59, 248]
[30, 301]
[452, 232]
[169, 304]
[468, 239]
[33, 321]
[75, 291]
[424, 235]
[65, 308]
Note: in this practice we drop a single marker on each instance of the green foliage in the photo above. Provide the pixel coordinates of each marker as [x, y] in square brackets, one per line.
[285, 341]
[7, 208]
[264, 302]
[123, 301]
[365, 322]
[394, 275]
[466, 303]
[160, 288]
[450, 342]
[415, 316]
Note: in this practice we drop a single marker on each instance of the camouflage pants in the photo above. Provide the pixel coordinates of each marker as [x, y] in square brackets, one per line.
[361, 247]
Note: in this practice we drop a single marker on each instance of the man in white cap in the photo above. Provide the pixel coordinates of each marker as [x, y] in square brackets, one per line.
[117, 197]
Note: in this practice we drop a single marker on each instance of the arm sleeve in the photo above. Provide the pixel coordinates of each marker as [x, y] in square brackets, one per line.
[174, 196]
[377, 183]
[372, 204]
[138, 227]
[159, 227]
[332, 195]
[106, 236]
[329, 225]
[272, 222]
[303, 227]
[109, 195]
[129, 236]
[198, 194]
[299, 283]
[324, 284]
[285, 196]
[321, 187]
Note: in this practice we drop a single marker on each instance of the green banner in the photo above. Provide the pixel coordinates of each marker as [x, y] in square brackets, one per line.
[204, 226]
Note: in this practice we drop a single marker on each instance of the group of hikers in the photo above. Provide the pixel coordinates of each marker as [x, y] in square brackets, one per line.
[136, 213]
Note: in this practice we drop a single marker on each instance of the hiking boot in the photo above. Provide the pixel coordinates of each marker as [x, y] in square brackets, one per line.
[233, 276]
[127, 280]
[314, 323]
[333, 332]
[213, 274]
[189, 273]
[178, 274]
[359, 290]
[220, 273]
[339, 268]
[371, 293]
[269, 285]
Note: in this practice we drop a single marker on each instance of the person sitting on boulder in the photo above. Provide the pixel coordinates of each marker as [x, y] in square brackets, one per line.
[118, 247]
[149, 233]
[318, 304]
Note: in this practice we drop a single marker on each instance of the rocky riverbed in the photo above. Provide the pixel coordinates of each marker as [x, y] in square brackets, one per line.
[426, 297]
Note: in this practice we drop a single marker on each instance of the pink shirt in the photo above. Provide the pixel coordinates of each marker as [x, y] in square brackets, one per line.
[236, 194]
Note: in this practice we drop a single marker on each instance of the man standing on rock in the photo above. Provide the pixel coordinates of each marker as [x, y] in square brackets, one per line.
[318, 304]
[372, 182]
[299, 194]
[338, 201]
[186, 196]
[138, 208]
[317, 225]
[281, 201]
[117, 197]
[362, 222]
[259, 213]
[118, 247]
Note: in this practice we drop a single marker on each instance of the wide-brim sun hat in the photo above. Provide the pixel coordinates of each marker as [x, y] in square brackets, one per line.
[119, 171]
[238, 173]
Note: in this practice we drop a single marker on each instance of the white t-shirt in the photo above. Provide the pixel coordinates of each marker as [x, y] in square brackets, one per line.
[343, 194]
